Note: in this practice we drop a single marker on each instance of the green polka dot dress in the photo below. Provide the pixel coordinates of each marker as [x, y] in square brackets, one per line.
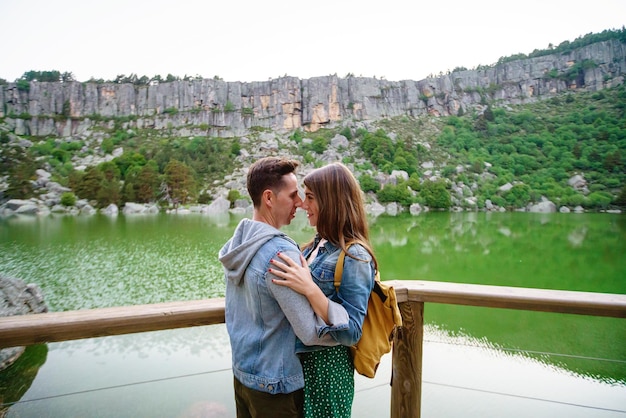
[328, 383]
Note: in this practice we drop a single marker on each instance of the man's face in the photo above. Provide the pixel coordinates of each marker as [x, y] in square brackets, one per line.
[287, 200]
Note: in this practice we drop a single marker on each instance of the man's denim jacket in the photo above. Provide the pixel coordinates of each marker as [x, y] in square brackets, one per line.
[354, 292]
[264, 319]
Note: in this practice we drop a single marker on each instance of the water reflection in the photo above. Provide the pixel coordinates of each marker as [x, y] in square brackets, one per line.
[174, 372]
[577, 237]
[186, 372]
[18, 378]
[486, 381]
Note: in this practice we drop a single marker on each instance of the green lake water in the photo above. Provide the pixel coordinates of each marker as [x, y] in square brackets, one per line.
[553, 364]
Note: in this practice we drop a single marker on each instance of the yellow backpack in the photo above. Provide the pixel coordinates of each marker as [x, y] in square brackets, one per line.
[381, 319]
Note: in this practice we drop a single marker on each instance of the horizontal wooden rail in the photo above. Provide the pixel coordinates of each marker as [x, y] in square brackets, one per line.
[70, 325]
[61, 326]
[529, 299]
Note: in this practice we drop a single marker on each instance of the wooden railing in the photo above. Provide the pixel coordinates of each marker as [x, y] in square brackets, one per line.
[406, 386]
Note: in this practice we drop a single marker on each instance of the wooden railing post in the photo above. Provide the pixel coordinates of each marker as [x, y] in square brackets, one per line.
[406, 369]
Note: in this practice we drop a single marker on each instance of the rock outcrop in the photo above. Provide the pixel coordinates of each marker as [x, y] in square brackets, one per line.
[18, 298]
[218, 108]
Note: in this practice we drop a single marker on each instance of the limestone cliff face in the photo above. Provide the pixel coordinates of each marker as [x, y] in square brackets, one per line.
[219, 108]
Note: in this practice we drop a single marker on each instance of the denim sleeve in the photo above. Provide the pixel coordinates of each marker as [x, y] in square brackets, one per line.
[299, 312]
[354, 292]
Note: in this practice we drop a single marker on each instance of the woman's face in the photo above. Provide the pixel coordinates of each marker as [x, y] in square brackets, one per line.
[309, 204]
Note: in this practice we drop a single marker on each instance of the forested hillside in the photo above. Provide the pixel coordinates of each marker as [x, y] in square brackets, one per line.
[463, 161]
[536, 150]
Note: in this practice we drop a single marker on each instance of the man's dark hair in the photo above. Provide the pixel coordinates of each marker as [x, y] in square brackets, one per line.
[267, 173]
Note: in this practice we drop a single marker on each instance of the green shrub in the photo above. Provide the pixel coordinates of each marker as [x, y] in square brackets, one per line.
[235, 148]
[204, 198]
[435, 195]
[319, 145]
[72, 146]
[414, 182]
[61, 155]
[518, 196]
[369, 184]
[400, 194]
[68, 199]
[296, 136]
[229, 106]
[44, 147]
[553, 73]
[599, 200]
[346, 132]
[107, 145]
[573, 200]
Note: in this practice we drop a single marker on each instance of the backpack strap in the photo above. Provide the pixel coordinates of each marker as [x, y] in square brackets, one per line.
[339, 267]
[339, 272]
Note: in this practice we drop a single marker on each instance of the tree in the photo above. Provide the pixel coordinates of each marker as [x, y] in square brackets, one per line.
[108, 194]
[233, 196]
[128, 192]
[88, 185]
[109, 191]
[21, 171]
[180, 181]
[147, 184]
[128, 160]
[131, 184]
[613, 161]
[110, 170]
[67, 77]
[43, 76]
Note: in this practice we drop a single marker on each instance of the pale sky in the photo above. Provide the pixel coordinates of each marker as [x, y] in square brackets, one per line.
[254, 40]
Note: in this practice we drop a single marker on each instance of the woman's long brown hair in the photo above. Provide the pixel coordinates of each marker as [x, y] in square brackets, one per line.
[342, 218]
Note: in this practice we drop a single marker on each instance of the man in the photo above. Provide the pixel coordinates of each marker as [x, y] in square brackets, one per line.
[264, 319]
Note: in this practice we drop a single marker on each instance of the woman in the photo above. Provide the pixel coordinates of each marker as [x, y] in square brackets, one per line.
[334, 206]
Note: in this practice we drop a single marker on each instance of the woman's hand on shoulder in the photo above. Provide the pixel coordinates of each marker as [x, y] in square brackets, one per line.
[295, 276]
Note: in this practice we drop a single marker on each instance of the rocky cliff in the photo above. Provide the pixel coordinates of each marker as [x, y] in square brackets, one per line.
[219, 108]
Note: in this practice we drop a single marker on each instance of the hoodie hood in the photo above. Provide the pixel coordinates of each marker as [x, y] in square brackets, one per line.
[248, 237]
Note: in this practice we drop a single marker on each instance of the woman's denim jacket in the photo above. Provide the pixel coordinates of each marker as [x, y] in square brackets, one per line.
[354, 292]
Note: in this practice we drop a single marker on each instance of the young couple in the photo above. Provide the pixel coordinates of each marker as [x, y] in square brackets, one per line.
[290, 330]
